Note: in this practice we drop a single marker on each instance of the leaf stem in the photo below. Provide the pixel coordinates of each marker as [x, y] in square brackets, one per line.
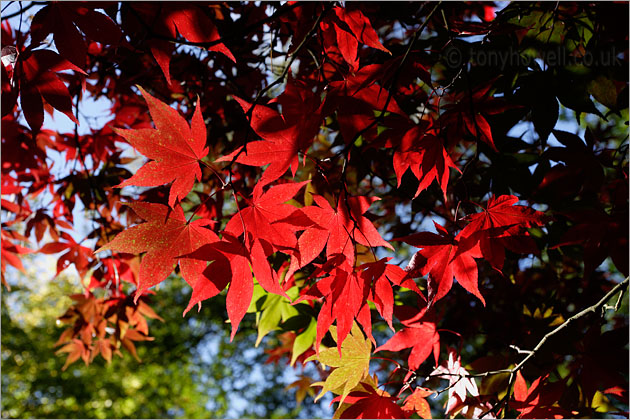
[215, 172]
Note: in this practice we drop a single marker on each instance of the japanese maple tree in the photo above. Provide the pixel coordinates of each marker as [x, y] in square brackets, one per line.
[424, 203]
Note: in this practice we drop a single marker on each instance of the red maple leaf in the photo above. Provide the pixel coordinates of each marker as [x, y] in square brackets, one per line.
[345, 291]
[76, 254]
[60, 19]
[265, 232]
[501, 225]
[174, 147]
[349, 27]
[373, 404]
[459, 113]
[427, 158]
[360, 27]
[417, 403]
[233, 263]
[381, 276]
[123, 268]
[283, 137]
[338, 230]
[501, 213]
[358, 99]
[9, 252]
[421, 336]
[344, 295]
[164, 237]
[262, 219]
[538, 401]
[442, 260]
[35, 71]
[169, 19]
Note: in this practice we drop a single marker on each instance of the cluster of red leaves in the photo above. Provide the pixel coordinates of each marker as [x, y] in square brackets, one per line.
[301, 190]
[101, 326]
[501, 225]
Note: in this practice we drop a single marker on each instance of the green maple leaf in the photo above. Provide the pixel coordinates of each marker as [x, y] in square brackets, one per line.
[351, 366]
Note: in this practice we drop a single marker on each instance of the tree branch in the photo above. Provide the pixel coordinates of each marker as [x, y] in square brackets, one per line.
[24, 9]
[601, 304]
[594, 308]
[279, 79]
[394, 80]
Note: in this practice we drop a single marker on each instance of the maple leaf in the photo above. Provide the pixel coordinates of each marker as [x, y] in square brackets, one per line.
[112, 270]
[75, 349]
[351, 366]
[502, 224]
[459, 383]
[283, 137]
[344, 295]
[174, 147]
[36, 73]
[9, 252]
[372, 404]
[233, 263]
[423, 339]
[468, 110]
[60, 20]
[303, 387]
[164, 237]
[303, 343]
[169, 19]
[289, 345]
[426, 157]
[601, 235]
[263, 218]
[501, 212]
[274, 311]
[345, 302]
[357, 99]
[417, 403]
[381, 276]
[265, 231]
[349, 28]
[344, 292]
[90, 317]
[537, 401]
[338, 230]
[76, 254]
[443, 260]
[360, 27]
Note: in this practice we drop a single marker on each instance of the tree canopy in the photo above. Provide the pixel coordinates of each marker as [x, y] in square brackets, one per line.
[187, 371]
[421, 207]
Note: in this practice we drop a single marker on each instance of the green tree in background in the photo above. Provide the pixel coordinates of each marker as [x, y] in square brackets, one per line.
[190, 370]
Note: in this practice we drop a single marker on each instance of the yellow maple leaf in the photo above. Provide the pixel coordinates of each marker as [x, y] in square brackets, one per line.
[350, 368]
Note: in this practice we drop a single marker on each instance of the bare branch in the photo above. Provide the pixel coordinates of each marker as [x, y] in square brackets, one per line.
[591, 309]
[619, 288]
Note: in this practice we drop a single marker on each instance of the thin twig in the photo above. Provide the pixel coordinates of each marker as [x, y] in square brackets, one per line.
[449, 387]
[23, 9]
[591, 309]
[620, 287]
[291, 60]
[5, 7]
[279, 79]
[393, 83]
